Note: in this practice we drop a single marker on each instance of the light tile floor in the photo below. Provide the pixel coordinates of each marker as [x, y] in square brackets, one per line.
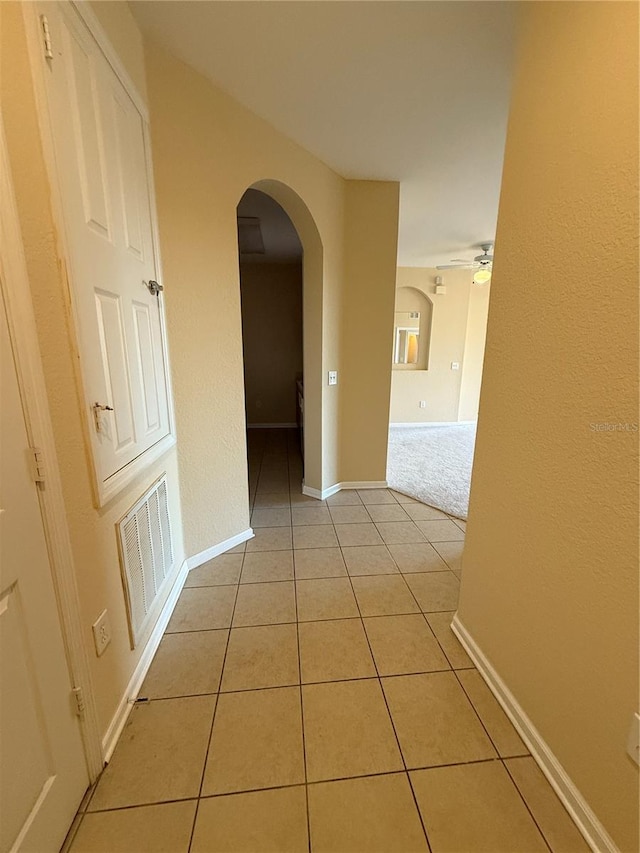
[309, 694]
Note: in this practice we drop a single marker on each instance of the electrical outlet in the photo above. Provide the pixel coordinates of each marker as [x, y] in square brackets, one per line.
[101, 632]
[423, 404]
[633, 741]
[455, 365]
[333, 377]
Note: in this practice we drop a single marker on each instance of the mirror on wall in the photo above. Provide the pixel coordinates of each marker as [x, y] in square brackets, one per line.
[407, 337]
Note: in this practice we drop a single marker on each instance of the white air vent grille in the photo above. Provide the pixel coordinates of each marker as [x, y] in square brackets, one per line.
[146, 555]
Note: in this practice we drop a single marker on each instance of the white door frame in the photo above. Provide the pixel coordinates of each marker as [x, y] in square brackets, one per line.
[15, 290]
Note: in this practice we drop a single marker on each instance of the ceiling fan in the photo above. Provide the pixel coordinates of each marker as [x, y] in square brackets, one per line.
[481, 263]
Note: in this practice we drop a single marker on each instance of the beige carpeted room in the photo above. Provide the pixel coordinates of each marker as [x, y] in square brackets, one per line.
[435, 383]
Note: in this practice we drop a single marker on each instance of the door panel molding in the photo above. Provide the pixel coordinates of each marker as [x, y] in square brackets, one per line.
[105, 485]
[95, 28]
[15, 291]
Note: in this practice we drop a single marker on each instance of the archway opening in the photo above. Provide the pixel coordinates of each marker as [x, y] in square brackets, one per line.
[439, 335]
[280, 261]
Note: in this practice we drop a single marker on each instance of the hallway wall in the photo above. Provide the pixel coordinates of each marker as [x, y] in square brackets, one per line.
[550, 568]
[208, 150]
[271, 340]
[473, 358]
[368, 295]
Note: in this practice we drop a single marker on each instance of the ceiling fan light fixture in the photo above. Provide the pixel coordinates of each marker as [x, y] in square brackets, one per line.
[482, 276]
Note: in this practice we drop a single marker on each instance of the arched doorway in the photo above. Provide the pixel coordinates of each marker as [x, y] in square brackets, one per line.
[280, 255]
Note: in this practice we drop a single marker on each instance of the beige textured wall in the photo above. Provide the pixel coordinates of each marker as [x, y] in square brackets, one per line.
[456, 314]
[550, 580]
[272, 340]
[92, 531]
[371, 246]
[473, 358]
[207, 151]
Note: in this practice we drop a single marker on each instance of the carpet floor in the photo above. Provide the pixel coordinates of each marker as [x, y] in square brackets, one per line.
[433, 464]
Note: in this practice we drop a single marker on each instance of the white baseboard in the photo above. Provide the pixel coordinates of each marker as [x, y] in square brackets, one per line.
[317, 494]
[126, 703]
[417, 424]
[581, 813]
[353, 484]
[220, 548]
[364, 484]
[272, 426]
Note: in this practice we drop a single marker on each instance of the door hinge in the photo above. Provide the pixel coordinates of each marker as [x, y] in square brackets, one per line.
[36, 460]
[77, 692]
[98, 409]
[46, 37]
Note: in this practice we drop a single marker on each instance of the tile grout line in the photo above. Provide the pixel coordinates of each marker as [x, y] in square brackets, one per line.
[402, 574]
[298, 785]
[304, 743]
[287, 459]
[368, 643]
[482, 723]
[408, 776]
[384, 697]
[317, 577]
[328, 681]
[477, 713]
[215, 709]
[421, 612]
[322, 547]
[391, 574]
[67, 844]
[526, 804]
[70, 837]
[499, 757]
[330, 619]
[440, 646]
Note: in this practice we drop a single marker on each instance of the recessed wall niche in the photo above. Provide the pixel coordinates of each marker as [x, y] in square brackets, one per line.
[412, 330]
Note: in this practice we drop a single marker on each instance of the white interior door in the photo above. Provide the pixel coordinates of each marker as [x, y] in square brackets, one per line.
[102, 162]
[43, 773]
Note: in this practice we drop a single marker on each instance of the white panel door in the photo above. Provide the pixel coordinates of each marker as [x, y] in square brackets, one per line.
[103, 170]
[43, 773]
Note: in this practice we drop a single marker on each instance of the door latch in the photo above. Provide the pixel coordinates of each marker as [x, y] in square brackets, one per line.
[153, 287]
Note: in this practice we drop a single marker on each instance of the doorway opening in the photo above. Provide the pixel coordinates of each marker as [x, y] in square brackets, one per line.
[311, 403]
[439, 334]
[271, 290]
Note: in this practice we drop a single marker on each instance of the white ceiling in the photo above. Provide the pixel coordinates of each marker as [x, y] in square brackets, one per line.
[407, 90]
